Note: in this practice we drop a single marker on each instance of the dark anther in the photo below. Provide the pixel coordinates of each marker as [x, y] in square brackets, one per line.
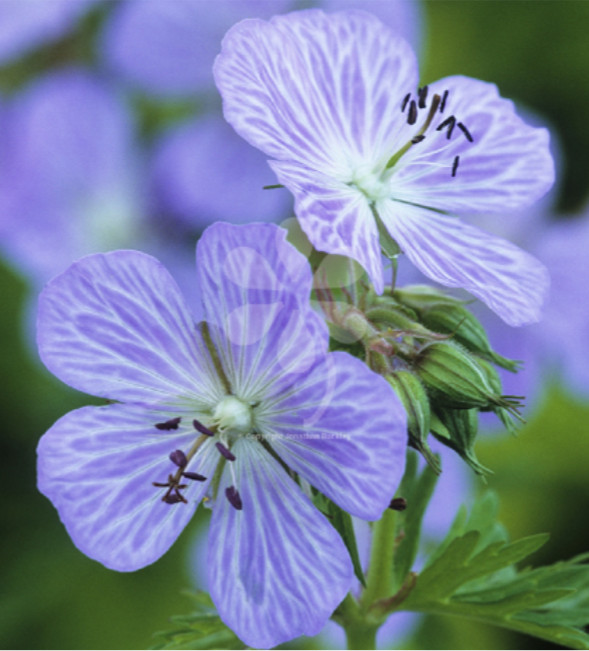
[173, 498]
[405, 100]
[169, 424]
[199, 427]
[465, 131]
[443, 104]
[225, 452]
[412, 115]
[194, 476]
[179, 458]
[417, 139]
[455, 165]
[398, 504]
[448, 122]
[234, 498]
[422, 97]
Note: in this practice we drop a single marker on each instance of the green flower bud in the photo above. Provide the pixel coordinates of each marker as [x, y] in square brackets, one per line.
[466, 329]
[454, 379]
[458, 428]
[505, 414]
[416, 402]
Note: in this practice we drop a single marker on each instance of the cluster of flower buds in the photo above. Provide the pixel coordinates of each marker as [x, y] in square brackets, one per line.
[436, 355]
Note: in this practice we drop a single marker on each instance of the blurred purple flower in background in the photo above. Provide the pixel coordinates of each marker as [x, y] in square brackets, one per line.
[28, 24]
[333, 100]
[256, 384]
[70, 174]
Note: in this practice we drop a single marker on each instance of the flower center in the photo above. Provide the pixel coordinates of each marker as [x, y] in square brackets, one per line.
[370, 182]
[233, 416]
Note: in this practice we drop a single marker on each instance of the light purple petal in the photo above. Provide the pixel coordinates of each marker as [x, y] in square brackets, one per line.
[510, 281]
[345, 431]
[204, 172]
[335, 217]
[506, 167]
[402, 16]
[322, 90]
[97, 465]
[116, 325]
[256, 289]
[277, 568]
[26, 24]
[169, 47]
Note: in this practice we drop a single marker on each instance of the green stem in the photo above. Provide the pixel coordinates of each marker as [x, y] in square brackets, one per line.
[379, 580]
[360, 633]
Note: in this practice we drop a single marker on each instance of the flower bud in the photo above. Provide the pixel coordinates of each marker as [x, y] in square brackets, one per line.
[458, 428]
[454, 379]
[466, 329]
[416, 402]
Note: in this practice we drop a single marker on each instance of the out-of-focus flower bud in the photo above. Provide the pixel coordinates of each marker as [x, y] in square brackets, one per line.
[416, 402]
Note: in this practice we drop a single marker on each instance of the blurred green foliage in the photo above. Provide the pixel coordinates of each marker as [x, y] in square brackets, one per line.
[52, 596]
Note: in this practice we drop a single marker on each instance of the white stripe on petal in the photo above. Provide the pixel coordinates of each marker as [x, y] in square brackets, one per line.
[97, 465]
[277, 568]
[510, 281]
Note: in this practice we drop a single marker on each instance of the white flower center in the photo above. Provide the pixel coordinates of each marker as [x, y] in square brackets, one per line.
[370, 182]
[233, 416]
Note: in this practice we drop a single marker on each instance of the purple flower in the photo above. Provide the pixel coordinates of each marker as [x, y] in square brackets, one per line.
[246, 410]
[168, 48]
[28, 24]
[334, 101]
[203, 172]
[68, 173]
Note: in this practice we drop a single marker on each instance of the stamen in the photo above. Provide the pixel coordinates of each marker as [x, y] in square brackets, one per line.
[234, 498]
[398, 504]
[225, 451]
[412, 115]
[465, 131]
[443, 104]
[199, 427]
[174, 498]
[179, 458]
[169, 424]
[194, 476]
[455, 165]
[404, 103]
[448, 121]
[417, 139]
[422, 92]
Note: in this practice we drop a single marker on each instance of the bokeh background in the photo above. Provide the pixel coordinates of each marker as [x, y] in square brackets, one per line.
[111, 136]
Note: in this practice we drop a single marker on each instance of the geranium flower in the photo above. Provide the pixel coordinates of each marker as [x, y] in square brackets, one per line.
[242, 410]
[334, 101]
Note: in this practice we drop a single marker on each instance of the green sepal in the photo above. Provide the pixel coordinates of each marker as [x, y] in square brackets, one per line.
[342, 523]
[416, 402]
[458, 429]
[388, 245]
[201, 629]
[453, 377]
[466, 329]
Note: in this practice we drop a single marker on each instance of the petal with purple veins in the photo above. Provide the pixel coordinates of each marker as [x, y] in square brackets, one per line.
[351, 449]
[98, 464]
[322, 90]
[277, 568]
[116, 325]
[510, 281]
[335, 217]
[507, 165]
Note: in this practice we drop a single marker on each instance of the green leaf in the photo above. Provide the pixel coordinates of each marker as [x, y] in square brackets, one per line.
[473, 574]
[202, 629]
